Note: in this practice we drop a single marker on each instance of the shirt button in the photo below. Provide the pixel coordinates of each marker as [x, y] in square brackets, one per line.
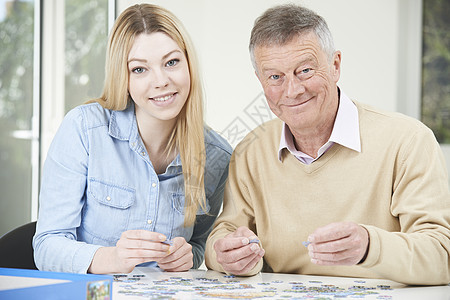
[149, 221]
[153, 184]
[108, 198]
[143, 153]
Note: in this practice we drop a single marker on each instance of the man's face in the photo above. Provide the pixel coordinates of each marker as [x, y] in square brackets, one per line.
[299, 82]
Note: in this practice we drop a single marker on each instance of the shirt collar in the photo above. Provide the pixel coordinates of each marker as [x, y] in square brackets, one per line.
[345, 131]
[122, 124]
[346, 126]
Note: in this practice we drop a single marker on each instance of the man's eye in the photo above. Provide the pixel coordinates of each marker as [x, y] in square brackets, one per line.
[138, 70]
[172, 62]
[274, 77]
[306, 73]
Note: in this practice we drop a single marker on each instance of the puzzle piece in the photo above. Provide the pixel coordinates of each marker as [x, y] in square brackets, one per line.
[168, 242]
[306, 243]
[177, 287]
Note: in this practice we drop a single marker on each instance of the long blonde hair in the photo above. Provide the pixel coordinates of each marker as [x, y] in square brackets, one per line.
[189, 141]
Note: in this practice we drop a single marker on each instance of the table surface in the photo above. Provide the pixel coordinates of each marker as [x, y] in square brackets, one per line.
[152, 283]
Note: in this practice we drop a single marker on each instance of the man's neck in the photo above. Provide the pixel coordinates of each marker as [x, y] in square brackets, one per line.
[310, 140]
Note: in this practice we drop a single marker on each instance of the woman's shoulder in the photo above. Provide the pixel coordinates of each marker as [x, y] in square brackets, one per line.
[92, 114]
[218, 154]
[216, 143]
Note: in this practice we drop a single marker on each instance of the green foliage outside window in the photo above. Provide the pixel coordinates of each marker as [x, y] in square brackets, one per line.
[16, 110]
[85, 32]
[436, 68]
[85, 47]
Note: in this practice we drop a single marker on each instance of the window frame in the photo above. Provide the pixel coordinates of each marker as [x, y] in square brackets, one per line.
[49, 82]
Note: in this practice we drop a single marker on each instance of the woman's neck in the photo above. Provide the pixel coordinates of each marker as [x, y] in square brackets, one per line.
[155, 135]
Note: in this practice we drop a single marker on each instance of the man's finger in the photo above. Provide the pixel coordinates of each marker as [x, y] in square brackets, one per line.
[245, 264]
[230, 243]
[332, 232]
[239, 254]
[332, 246]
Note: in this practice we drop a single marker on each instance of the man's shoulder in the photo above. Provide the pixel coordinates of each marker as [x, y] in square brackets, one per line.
[374, 116]
[265, 135]
[389, 126]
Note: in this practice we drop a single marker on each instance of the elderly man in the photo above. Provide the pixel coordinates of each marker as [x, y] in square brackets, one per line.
[366, 191]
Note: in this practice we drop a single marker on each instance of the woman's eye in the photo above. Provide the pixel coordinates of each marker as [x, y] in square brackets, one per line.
[172, 62]
[307, 70]
[138, 70]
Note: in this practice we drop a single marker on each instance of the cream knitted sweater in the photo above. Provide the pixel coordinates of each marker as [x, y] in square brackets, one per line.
[397, 188]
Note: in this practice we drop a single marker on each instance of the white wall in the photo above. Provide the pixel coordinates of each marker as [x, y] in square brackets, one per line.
[380, 42]
[365, 31]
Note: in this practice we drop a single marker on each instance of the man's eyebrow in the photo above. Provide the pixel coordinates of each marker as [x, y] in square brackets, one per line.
[309, 59]
[269, 70]
[164, 56]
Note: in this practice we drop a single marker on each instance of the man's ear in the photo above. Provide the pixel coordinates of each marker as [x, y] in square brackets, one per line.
[336, 72]
[257, 76]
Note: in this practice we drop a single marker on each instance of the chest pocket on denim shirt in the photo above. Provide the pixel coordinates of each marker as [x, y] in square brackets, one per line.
[178, 228]
[108, 211]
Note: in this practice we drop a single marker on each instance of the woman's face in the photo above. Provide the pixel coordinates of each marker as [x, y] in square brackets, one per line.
[159, 80]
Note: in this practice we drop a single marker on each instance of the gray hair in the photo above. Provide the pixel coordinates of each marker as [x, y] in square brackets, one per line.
[280, 24]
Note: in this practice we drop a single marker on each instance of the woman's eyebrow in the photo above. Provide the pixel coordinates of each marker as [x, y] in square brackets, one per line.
[137, 59]
[144, 60]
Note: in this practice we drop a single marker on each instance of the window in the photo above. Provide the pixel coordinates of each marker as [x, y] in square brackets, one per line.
[85, 46]
[17, 42]
[38, 85]
[436, 68]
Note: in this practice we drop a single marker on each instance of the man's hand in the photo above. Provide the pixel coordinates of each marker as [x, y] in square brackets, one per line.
[343, 243]
[235, 252]
[179, 258]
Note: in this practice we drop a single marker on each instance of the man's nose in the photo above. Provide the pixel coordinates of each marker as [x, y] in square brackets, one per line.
[294, 87]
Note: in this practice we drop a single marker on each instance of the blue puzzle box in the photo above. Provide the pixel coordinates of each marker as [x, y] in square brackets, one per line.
[34, 284]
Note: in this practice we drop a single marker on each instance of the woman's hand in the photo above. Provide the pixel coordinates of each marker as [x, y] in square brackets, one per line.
[179, 257]
[134, 247]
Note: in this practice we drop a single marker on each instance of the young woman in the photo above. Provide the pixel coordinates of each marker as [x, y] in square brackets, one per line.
[134, 177]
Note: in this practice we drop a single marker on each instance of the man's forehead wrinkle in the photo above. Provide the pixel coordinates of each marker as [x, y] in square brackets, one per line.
[297, 45]
[269, 58]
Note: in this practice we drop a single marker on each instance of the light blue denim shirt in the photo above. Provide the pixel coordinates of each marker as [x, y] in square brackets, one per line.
[98, 182]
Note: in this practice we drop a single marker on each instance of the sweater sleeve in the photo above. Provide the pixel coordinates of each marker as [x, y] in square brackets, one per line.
[421, 201]
[237, 212]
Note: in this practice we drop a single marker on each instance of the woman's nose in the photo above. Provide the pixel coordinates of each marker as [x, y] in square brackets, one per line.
[160, 79]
